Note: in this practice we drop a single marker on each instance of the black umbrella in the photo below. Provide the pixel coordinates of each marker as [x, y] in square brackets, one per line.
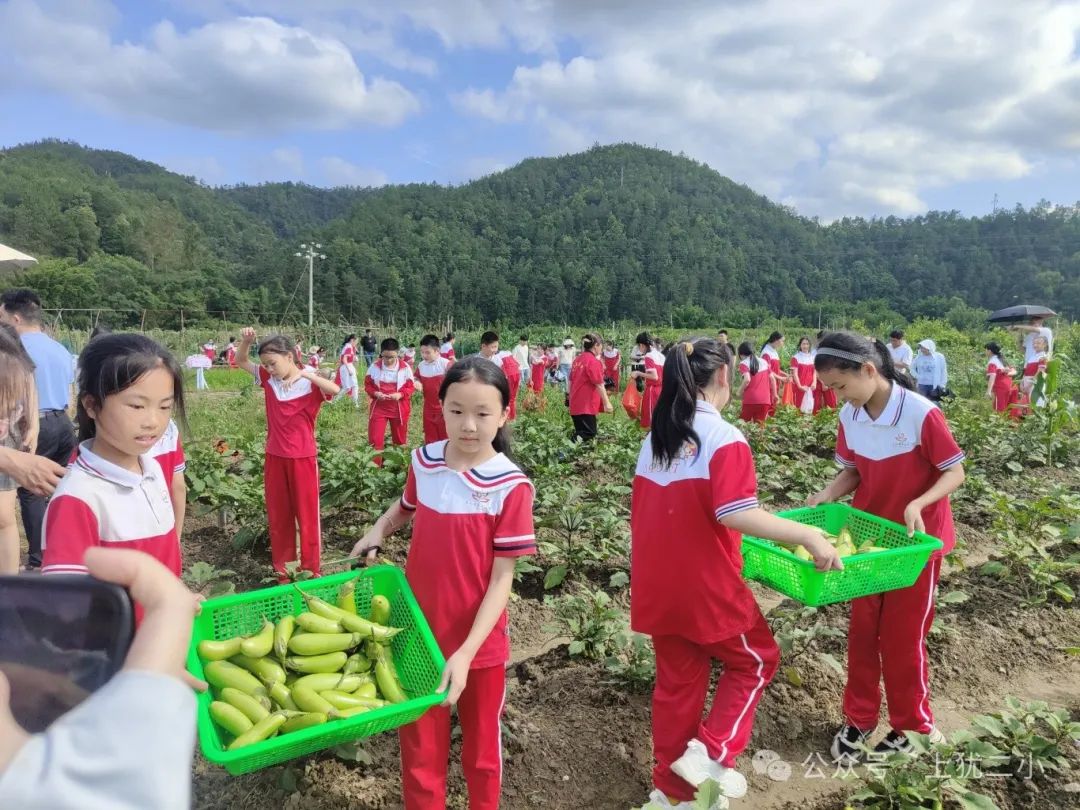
[1020, 313]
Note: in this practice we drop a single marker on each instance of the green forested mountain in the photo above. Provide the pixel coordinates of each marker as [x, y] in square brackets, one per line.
[618, 232]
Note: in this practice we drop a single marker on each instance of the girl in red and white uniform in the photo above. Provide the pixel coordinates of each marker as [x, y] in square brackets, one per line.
[612, 360]
[210, 350]
[471, 509]
[999, 384]
[826, 397]
[902, 463]
[389, 386]
[537, 367]
[293, 396]
[653, 375]
[686, 587]
[345, 375]
[489, 349]
[756, 392]
[803, 375]
[1035, 362]
[430, 372]
[116, 493]
[447, 348]
[770, 352]
[230, 353]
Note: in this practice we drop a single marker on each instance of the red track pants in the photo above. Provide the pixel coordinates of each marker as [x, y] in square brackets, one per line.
[683, 668]
[291, 486]
[425, 746]
[434, 426]
[399, 432]
[754, 413]
[887, 637]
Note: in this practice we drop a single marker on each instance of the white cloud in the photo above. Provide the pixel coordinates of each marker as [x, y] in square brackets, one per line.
[836, 107]
[245, 74]
[337, 171]
[482, 165]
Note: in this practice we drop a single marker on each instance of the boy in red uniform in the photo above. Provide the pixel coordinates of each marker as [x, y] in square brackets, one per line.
[489, 348]
[389, 385]
[430, 371]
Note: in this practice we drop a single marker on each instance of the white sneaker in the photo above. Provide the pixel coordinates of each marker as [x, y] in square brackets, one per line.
[695, 766]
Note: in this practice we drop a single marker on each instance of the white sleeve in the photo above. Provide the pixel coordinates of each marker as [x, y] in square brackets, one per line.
[129, 746]
[943, 372]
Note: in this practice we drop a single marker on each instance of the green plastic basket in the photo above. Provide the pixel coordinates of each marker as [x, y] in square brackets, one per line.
[417, 657]
[863, 574]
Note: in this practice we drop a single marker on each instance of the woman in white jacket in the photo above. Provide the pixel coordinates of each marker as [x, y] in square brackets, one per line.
[930, 370]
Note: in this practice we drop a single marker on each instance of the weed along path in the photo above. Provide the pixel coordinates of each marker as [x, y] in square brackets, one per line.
[576, 731]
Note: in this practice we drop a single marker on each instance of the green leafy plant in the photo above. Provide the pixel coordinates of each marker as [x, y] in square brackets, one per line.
[592, 621]
[796, 631]
[1029, 735]
[204, 578]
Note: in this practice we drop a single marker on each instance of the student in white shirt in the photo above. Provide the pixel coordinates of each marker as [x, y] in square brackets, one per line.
[520, 353]
[900, 351]
[930, 370]
[1032, 353]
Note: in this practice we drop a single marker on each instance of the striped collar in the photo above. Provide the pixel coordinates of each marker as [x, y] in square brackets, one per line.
[90, 462]
[890, 414]
[496, 473]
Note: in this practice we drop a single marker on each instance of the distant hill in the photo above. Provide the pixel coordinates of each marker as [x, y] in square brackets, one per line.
[616, 232]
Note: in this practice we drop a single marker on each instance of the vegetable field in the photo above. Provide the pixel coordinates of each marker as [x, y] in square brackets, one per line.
[1004, 648]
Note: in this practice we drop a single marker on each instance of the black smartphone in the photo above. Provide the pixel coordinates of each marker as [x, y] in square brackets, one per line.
[61, 638]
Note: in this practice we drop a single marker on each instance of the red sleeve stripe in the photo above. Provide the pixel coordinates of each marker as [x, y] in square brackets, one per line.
[64, 568]
[516, 539]
[843, 462]
[518, 547]
[408, 507]
[951, 462]
[736, 506]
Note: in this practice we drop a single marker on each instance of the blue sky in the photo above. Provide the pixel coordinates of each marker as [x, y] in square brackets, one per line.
[835, 108]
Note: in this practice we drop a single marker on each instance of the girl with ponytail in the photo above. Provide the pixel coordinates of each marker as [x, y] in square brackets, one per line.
[653, 362]
[758, 389]
[695, 471]
[900, 459]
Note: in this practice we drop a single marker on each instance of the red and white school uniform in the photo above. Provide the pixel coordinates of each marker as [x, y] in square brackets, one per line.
[512, 370]
[1033, 365]
[802, 369]
[396, 380]
[463, 521]
[346, 373]
[757, 398]
[653, 361]
[586, 374]
[898, 456]
[168, 450]
[210, 352]
[101, 504]
[431, 377]
[687, 592]
[538, 362]
[230, 355]
[612, 360]
[1003, 384]
[291, 474]
[447, 351]
[772, 357]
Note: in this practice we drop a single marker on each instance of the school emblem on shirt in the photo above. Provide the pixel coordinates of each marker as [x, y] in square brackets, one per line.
[902, 440]
[482, 499]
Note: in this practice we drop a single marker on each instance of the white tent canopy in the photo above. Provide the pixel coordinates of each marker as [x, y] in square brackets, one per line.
[11, 259]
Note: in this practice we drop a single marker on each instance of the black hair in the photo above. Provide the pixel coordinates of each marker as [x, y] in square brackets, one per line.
[866, 351]
[24, 303]
[689, 366]
[112, 363]
[488, 338]
[807, 339]
[98, 331]
[449, 337]
[897, 334]
[389, 345]
[523, 337]
[276, 344]
[644, 339]
[345, 342]
[589, 340]
[821, 333]
[772, 337]
[995, 349]
[232, 338]
[722, 332]
[747, 350]
[430, 340]
[483, 371]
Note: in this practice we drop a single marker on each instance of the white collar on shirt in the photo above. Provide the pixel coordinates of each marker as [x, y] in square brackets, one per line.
[498, 472]
[95, 465]
[890, 414]
[806, 358]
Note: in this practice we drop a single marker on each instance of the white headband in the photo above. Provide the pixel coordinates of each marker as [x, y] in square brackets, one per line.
[854, 358]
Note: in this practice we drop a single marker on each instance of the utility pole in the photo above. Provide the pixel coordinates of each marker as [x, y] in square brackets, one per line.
[311, 253]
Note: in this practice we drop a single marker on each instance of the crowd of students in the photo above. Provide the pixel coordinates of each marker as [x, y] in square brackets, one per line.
[471, 510]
